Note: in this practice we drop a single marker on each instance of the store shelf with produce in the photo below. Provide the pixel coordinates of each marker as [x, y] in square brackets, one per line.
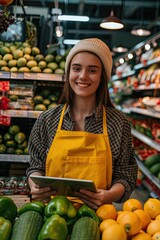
[32, 76]
[147, 173]
[21, 113]
[150, 142]
[145, 112]
[14, 158]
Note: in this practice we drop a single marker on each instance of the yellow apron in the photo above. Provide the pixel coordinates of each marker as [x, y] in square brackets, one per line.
[81, 155]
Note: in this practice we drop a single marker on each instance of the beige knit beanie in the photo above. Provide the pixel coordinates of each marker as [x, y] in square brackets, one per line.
[95, 46]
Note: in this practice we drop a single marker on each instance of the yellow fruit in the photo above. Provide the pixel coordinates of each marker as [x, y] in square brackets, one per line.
[144, 216]
[141, 236]
[152, 207]
[130, 222]
[132, 204]
[114, 232]
[106, 211]
[106, 223]
[153, 227]
[158, 217]
[156, 236]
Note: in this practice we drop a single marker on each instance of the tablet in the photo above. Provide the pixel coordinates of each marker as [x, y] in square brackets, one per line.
[64, 186]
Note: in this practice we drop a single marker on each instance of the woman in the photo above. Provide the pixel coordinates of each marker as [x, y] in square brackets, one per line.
[85, 137]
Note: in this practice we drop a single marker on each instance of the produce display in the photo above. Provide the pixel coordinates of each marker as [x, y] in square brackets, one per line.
[22, 57]
[61, 219]
[13, 141]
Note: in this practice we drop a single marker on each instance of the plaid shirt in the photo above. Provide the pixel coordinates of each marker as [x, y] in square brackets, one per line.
[119, 130]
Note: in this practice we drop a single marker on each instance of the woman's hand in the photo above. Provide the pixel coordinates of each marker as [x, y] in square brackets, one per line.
[92, 199]
[42, 194]
[95, 200]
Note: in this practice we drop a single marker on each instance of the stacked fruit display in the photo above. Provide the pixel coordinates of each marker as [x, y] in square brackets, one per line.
[22, 57]
[60, 219]
[46, 99]
[13, 141]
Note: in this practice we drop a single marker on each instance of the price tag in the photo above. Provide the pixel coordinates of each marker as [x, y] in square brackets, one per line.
[4, 86]
[5, 120]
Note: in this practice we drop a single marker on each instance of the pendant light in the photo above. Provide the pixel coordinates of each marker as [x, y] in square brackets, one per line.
[111, 22]
[140, 30]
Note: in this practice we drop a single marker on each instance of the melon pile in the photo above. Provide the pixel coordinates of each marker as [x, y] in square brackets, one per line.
[22, 57]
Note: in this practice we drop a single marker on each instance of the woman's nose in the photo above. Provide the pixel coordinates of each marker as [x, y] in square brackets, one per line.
[82, 73]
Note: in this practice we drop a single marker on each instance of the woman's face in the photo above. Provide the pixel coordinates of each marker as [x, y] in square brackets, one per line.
[85, 74]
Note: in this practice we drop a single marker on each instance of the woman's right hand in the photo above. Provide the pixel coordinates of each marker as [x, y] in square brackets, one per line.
[37, 193]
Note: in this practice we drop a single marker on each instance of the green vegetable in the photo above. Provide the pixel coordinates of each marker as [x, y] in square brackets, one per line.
[85, 228]
[151, 160]
[27, 226]
[87, 211]
[5, 228]
[54, 228]
[62, 206]
[8, 209]
[155, 168]
[32, 206]
[14, 129]
[2, 148]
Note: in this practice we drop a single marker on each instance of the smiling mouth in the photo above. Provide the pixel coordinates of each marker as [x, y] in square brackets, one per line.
[83, 84]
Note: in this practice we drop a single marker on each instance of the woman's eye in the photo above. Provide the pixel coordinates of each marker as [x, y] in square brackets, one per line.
[76, 68]
[92, 70]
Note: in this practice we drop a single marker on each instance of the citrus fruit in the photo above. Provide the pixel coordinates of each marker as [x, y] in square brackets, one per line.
[132, 204]
[130, 222]
[106, 223]
[152, 207]
[153, 227]
[114, 232]
[106, 211]
[144, 216]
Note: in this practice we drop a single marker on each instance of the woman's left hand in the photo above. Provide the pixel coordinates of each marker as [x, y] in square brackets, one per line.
[92, 199]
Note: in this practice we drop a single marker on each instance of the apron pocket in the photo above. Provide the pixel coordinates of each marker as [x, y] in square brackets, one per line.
[89, 168]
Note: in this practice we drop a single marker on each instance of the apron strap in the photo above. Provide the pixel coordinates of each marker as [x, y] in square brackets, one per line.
[61, 118]
[104, 119]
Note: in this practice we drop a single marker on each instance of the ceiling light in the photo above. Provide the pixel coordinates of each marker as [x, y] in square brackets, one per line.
[111, 22]
[140, 31]
[73, 18]
[70, 41]
[120, 49]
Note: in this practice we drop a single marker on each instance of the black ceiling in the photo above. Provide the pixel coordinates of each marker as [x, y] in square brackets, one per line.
[131, 13]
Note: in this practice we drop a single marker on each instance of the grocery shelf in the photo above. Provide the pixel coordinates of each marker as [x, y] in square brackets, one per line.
[147, 173]
[150, 142]
[14, 158]
[146, 64]
[116, 77]
[21, 113]
[145, 112]
[32, 76]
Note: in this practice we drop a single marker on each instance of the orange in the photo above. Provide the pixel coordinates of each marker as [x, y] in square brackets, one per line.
[106, 211]
[106, 223]
[141, 236]
[153, 227]
[152, 207]
[156, 236]
[144, 216]
[158, 217]
[132, 204]
[130, 222]
[114, 232]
